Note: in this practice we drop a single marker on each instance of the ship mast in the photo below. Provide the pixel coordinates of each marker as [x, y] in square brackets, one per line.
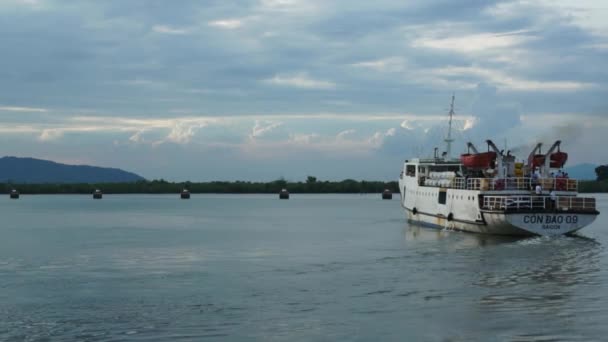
[448, 140]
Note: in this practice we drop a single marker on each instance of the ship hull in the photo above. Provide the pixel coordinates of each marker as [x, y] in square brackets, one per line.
[512, 224]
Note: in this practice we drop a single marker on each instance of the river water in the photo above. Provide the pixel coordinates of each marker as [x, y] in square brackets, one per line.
[313, 268]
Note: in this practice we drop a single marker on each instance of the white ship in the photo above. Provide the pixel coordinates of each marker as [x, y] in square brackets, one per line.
[491, 193]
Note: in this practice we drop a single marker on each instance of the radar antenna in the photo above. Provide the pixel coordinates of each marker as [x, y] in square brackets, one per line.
[448, 140]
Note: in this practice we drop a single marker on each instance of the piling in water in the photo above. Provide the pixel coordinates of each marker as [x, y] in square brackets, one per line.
[97, 194]
[284, 194]
[185, 194]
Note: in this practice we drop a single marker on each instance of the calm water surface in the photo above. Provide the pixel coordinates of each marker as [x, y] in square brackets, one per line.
[316, 267]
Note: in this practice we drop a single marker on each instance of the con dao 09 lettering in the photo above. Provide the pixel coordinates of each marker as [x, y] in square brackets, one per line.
[551, 219]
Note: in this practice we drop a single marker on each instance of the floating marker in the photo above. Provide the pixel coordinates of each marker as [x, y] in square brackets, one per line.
[97, 194]
[284, 194]
[387, 194]
[185, 194]
[14, 194]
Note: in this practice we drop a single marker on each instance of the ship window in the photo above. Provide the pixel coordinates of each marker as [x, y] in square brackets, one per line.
[442, 197]
[410, 170]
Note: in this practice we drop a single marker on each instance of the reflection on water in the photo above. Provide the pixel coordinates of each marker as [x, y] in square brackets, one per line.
[512, 282]
[414, 231]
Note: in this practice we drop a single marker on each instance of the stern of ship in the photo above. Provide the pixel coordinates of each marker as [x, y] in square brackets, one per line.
[539, 215]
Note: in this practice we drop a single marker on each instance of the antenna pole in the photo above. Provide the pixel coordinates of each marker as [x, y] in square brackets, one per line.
[449, 139]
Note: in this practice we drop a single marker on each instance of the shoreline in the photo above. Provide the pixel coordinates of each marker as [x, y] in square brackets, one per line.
[311, 186]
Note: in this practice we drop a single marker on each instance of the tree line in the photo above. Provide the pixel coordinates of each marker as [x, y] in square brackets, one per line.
[598, 185]
[161, 186]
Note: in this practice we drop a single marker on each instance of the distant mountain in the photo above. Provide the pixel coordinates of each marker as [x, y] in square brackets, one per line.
[30, 170]
[582, 171]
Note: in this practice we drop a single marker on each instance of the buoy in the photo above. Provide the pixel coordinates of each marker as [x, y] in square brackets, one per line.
[97, 194]
[387, 194]
[284, 194]
[185, 194]
[14, 194]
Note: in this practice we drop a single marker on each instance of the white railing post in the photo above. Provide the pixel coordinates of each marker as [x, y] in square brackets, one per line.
[584, 203]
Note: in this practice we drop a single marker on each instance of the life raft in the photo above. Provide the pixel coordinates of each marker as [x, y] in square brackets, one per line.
[558, 159]
[478, 160]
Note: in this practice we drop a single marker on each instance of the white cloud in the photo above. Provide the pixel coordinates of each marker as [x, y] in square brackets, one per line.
[407, 125]
[303, 139]
[32, 4]
[504, 80]
[50, 134]
[261, 128]
[468, 124]
[473, 43]
[169, 30]
[390, 64]
[342, 135]
[137, 137]
[377, 139]
[23, 109]
[228, 24]
[289, 6]
[589, 14]
[300, 80]
[182, 132]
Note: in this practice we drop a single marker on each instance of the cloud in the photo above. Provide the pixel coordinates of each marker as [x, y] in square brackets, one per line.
[510, 82]
[300, 80]
[288, 6]
[137, 137]
[22, 109]
[345, 133]
[468, 124]
[166, 29]
[406, 125]
[152, 76]
[389, 64]
[474, 43]
[261, 128]
[182, 132]
[50, 134]
[302, 138]
[228, 24]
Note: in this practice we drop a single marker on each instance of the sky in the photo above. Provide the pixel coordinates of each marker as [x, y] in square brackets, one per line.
[268, 89]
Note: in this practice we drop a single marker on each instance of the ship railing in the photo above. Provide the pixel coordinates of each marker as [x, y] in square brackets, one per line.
[459, 183]
[522, 183]
[521, 203]
[558, 184]
[499, 184]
